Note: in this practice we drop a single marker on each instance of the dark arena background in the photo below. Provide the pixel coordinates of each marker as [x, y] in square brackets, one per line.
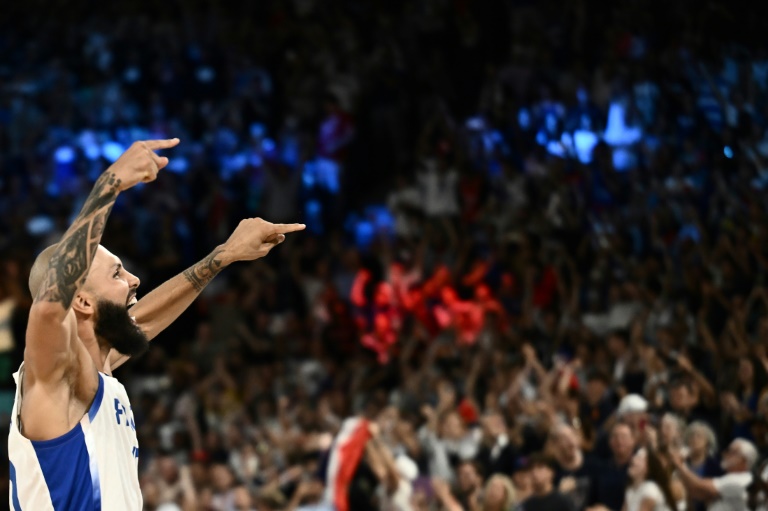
[534, 270]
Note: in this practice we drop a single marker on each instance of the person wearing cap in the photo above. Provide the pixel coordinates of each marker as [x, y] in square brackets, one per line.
[545, 497]
[729, 492]
[633, 410]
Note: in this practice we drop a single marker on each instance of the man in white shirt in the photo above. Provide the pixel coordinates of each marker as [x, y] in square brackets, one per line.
[729, 492]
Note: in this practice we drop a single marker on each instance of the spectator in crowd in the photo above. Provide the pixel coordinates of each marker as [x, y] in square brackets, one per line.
[730, 490]
[545, 495]
[649, 486]
[576, 472]
[609, 487]
[496, 455]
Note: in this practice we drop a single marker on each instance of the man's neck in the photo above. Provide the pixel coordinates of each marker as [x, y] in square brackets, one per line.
[543, 491]
[98, 351]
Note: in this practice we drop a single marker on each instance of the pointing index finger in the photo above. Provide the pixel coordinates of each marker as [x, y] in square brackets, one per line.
[286, 228]
[162, 144]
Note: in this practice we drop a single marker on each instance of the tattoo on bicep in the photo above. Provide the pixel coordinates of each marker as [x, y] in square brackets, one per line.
[69, 264]
[203, 272]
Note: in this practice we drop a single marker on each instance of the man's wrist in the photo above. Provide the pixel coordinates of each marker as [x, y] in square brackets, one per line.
[224, 255]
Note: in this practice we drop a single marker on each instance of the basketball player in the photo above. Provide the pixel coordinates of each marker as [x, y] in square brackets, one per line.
[72, 444]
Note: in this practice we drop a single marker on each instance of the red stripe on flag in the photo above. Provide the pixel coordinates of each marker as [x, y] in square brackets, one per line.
[349, 458]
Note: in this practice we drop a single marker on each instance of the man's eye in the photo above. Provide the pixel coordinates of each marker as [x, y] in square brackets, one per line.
[117, 274]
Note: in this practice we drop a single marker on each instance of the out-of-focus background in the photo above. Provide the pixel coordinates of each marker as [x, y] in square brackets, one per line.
[537, 236]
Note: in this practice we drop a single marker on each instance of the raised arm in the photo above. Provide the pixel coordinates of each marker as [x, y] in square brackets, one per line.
[52, 328]
[252, 239]
[697, 487]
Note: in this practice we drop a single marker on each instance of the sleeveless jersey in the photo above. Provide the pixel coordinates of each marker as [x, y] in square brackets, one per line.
[92, 467]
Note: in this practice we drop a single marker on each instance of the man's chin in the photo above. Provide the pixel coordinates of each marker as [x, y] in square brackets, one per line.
[119, 329]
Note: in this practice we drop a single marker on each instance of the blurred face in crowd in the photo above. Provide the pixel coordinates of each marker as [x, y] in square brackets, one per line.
[468, 478]
[493, 426]
[567, 445]
[681, 399]
[541, 478]
[697, 442]
[595, 390]
[635, 420]
[151, 494]
[638, 467]
[733, 459]
[746, 372]
[168, 469]
[522, 481]
[616, 345]
[199, 473]
[671, 431]
[242, 499]
[495, 493]
[222, 478]
[453, 426]
[622, 443]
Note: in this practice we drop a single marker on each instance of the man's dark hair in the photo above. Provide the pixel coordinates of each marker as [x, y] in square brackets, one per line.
[474, 464]
[599, 375]
[621, 333]
[681, 381]
[539, 459]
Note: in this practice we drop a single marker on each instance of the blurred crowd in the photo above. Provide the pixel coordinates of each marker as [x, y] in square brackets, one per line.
[534, 275]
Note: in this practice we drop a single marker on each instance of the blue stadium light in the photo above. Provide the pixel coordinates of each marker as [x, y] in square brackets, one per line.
[92, 151]
[40, 225]
[365, 233]
[524, 118]
[178, 165]
[64, 155]
[476, 123]
[268, 145]
[89, 145]
[258, 130]
[112, 151]
[728, 152]
[584, 142]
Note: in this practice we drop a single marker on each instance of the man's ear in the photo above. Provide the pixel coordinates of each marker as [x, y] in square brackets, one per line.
[84, 303]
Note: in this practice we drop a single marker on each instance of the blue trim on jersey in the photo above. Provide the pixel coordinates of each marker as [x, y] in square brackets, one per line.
[14, 490]
[65, 464]
[94, 409]
[94, 468]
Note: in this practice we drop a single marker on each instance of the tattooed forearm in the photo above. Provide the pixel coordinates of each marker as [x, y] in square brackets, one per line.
[203, 272]
[70, 261]
[103, 194]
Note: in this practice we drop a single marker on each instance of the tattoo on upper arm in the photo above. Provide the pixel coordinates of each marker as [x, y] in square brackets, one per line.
[70, 261]
[203, 272]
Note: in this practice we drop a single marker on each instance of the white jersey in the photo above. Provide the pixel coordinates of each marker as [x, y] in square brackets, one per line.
[92, 467]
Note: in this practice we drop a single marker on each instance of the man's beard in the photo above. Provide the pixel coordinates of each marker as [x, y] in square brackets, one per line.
[114, 325]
